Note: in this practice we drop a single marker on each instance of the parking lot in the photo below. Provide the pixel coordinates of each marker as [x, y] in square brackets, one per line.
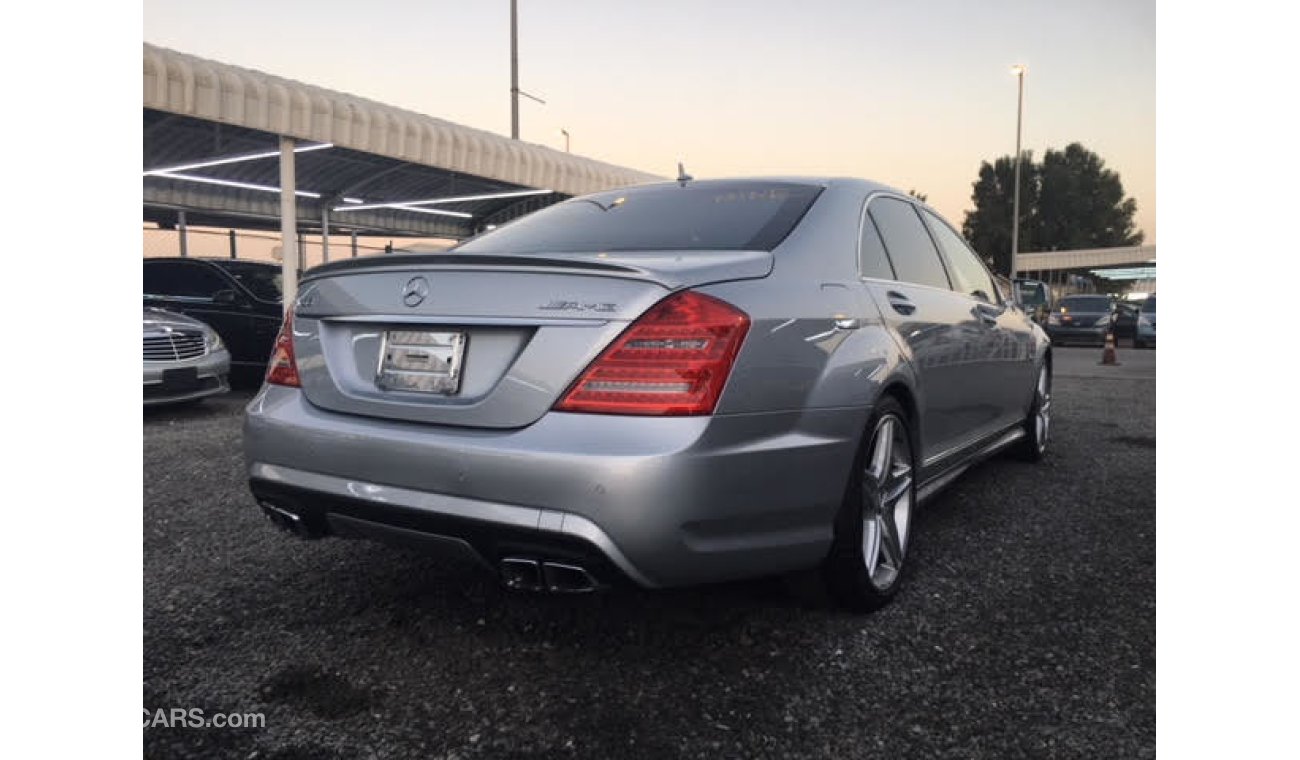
[1026, 628]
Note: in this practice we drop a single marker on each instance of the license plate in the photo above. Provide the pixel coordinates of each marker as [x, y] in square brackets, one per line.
[184, 379]
[421, 361]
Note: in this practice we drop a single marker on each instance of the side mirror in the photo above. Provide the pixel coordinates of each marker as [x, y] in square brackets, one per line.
[225, 298]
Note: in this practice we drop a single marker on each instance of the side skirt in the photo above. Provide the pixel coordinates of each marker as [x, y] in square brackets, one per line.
[941, 480]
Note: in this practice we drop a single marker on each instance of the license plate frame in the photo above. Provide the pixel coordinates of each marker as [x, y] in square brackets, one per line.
[424, 362]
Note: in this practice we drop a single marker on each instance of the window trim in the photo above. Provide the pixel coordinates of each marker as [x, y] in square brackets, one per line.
[943, 264]
[992, 280]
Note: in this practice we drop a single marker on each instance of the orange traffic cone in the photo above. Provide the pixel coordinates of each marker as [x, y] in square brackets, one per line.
[1108, 355]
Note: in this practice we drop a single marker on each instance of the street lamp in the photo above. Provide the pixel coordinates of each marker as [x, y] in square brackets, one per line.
[1019, 71]
[515, 92]
[565, 132]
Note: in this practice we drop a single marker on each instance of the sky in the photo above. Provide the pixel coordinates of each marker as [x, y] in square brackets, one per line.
[911, 94]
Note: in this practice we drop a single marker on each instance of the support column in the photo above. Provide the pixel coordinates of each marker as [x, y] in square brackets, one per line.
[288, 224]
[325, 232]
[234, 250]
[182, 231]
[354, 244]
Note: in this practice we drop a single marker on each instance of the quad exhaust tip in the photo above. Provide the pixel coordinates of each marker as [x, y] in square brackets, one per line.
[288, 521]
[555, 577]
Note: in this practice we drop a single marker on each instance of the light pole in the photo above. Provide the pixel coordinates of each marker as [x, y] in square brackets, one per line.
[515, 92]
[565, 132]
[1019, 71]
[514, 70]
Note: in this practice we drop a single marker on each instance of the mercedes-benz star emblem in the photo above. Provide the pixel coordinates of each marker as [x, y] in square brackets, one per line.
[416, 290]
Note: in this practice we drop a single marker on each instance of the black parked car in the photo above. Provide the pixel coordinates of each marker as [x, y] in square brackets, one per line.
[241, 300]
[1081, 319]
[1126, 319]
[1034, 297]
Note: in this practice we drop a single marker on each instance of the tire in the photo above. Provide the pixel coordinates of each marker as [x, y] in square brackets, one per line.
[1038, 423]
[868, 557]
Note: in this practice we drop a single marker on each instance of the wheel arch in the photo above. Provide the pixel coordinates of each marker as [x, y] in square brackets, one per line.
[899, 390]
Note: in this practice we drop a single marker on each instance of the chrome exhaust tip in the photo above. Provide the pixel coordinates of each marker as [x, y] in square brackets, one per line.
[521, 574]
[288, 521]
[568, 579]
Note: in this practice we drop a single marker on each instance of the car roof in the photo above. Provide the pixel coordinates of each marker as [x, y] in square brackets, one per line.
[864, 185]
[213, 260]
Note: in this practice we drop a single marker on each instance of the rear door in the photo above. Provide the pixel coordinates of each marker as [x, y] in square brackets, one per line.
[1007, 340]
[934, 325]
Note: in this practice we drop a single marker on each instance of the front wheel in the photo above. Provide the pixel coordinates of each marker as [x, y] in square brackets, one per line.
[865, 566]
[1038, 423]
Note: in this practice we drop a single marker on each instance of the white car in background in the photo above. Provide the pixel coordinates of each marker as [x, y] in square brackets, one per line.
[184, 359]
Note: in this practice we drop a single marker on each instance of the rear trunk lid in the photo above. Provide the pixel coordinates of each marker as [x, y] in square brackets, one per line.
[479, 340]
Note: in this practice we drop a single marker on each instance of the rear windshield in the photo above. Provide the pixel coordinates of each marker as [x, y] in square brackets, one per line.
[1032, 293]
[726, 215]
[1149, 306]
[261, 280]
[1086, 303]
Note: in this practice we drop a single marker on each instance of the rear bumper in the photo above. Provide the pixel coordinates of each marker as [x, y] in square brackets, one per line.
[661, 501]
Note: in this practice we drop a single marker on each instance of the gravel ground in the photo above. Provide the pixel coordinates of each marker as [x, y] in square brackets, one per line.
[1026, 628]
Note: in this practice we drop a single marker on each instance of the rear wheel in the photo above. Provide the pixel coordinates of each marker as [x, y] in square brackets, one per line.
[1038, 423]
[866, 563]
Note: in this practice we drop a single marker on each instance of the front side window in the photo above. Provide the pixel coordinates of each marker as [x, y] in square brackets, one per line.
[181, 279]
[968, 274]
[910, 248]
[740, 215]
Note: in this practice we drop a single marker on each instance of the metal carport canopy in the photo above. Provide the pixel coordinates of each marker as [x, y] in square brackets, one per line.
[219, 138]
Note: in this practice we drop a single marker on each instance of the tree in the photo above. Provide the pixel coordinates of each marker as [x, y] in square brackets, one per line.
[988, 227]
[922, 197]
[1069, 201]
[1081, 203]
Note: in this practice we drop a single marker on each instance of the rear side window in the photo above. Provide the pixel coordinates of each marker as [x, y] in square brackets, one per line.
[910, 248]
[180, 278]
[872, 259]
[261, 280]
[968, 274]
[722, 215]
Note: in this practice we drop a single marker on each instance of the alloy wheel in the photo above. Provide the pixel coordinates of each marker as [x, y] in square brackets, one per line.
[1043, 418]
[887, 501]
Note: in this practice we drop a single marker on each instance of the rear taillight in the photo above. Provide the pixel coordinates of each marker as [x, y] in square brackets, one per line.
[283, 369]
[674, 360]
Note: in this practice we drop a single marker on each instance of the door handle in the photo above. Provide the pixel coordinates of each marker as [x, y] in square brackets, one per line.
[900, 302]
[842, 323]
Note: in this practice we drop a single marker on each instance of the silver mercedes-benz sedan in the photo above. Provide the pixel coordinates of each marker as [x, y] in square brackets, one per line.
[670, 384]
[184, 359]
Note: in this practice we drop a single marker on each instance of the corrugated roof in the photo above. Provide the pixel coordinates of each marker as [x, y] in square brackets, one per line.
[179, 83]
